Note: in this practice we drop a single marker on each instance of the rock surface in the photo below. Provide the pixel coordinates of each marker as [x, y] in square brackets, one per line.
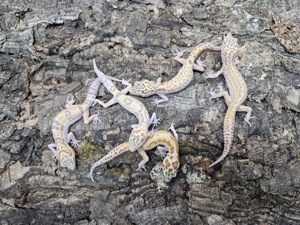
[46, 50]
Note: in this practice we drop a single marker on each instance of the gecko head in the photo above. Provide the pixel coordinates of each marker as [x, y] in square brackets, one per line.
[66, 157]
[143, 88]
[170, 167]
[230, 42]
[138, 136]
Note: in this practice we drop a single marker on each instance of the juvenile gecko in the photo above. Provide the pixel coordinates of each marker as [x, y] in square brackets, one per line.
[140, 131]
[147, 88]
[64, 119]
[237, 91]
[170, 164]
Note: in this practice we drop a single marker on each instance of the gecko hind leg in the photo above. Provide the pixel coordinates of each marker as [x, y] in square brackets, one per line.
[111, 102]
[144, 160]
[161, 151]
[243, 108]
[221, 94]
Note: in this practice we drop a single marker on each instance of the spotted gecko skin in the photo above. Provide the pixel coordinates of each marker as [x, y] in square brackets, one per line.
[64, 119]
[140, 131]
[237, 91]
[170, 164]
[147, 88]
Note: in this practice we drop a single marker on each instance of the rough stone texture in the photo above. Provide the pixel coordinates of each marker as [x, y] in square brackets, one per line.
[46, 50]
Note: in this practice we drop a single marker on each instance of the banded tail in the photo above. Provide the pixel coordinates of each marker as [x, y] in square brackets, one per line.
[109, 156]
[92, 92]
[227, 132]
[106, 80]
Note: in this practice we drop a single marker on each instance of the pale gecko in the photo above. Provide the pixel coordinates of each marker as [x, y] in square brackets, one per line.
[147, 88]
[64, 119]
[171, 162]
[140, 131]
[237, 91]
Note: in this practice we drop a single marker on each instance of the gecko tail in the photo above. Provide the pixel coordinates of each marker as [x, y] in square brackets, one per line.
[109, 156]
[97, 71]
[92, 92]
[223, 156]
[228, 133]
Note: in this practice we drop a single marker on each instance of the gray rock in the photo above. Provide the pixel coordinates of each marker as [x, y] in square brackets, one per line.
[46, 50]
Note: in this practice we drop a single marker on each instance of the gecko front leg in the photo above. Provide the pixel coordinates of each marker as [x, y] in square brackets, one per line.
[87, 118]
[215, 75]
[113, 100]
[52, 147]
[71, 139]
[154, 120]
[70, 102]
[164, 98]
[179, 54]
[228, 101]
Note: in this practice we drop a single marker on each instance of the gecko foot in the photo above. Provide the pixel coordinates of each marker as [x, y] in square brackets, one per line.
[212, 93]
[214, 75]
[210, 75]
[171, 126]
[96, 118]
[199, 62]
[156, 101]
[95, 102]
[156, 122]
[179, 53]
[126, 82]
[70, 101]
[161, 151]
[141, 166]
[74, 142]
[247, 120]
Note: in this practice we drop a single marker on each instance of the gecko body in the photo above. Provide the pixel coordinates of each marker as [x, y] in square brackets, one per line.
[237, 91]
[140, 131]
[64, 119]
[170, 164]
[147, 88]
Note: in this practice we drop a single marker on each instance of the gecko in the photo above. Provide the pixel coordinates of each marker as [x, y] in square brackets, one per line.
[140, 131]
[237, 91]
[64, 119]
[147, 88]
[169, 142]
